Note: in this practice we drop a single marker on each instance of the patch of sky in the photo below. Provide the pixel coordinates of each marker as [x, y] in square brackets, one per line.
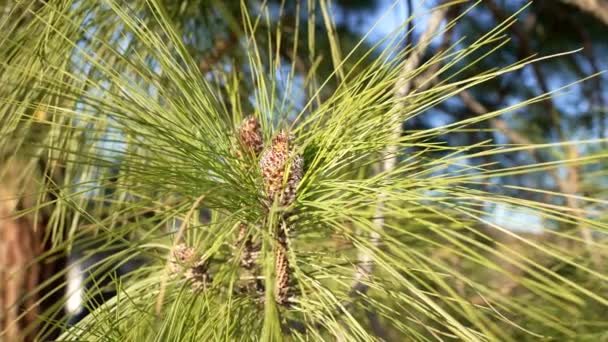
[508, 216]
[107, 140]
[515, 218]
[388, 17]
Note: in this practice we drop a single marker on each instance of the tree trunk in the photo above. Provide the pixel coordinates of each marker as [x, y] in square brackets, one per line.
[21, 246]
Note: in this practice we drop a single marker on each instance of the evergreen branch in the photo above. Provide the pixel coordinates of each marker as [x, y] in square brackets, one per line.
[143, 132]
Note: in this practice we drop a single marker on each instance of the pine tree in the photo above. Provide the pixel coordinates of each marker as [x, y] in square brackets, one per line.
[274, 202]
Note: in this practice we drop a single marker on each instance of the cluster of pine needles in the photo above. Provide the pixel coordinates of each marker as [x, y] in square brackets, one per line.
[315, 219]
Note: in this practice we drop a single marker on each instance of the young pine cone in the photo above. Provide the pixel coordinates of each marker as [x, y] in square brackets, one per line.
[198, 275]
[181, 258]
[250, 135]
[281, 269]
[250, 251]
[185, 261]
[275, 162]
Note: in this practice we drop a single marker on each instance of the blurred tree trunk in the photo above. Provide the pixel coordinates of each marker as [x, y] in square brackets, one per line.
[22, 244]
[24, 267]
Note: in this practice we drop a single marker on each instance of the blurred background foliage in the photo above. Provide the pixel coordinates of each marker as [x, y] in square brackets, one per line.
[214, 36]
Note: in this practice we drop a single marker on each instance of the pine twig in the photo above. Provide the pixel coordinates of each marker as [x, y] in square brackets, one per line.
[389, 156]
[282, 170]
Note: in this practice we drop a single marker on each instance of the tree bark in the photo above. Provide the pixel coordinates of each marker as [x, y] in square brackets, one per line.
[22, 271]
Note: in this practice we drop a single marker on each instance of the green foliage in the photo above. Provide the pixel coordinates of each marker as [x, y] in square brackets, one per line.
[111, 96]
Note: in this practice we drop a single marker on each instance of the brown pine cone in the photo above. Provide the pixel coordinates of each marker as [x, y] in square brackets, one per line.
[185, 261]
[275, 161]
[250, 251]
[181, 258]
[282, 271]
[250, 135]
[198, 275]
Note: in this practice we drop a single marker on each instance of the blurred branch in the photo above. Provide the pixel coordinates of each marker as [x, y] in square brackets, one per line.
[569, 186]
[408, 31]
[389, 156]
[597, 8]
[594, 92]
[376, 326]
[564, 185]
[220, 48]
[525, 51]
[572, 186]
[500, 124]
[428, 78]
